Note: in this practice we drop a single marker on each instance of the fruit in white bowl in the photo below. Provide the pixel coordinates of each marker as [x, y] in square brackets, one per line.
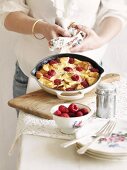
[70, 117]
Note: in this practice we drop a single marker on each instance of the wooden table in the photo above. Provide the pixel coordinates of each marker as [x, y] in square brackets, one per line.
[41, 153]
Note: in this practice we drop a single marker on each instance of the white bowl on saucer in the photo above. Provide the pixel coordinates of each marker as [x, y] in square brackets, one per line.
[72, 124]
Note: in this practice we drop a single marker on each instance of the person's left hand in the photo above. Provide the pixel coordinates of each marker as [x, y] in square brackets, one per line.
[91, 41]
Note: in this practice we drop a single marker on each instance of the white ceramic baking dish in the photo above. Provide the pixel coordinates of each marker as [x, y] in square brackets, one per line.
[68, 95]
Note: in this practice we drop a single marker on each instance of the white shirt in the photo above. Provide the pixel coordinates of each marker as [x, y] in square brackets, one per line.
[90, 13]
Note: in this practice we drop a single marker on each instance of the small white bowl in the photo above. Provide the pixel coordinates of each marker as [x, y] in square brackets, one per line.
[72, 124]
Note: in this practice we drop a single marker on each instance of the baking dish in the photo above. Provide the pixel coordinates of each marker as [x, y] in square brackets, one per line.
[67, 95]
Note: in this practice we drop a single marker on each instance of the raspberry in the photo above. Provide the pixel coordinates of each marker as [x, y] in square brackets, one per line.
[75, 77]
[84, 111]
[68, 69]
[79, 113]
[51, 72]
[71, 114]
[57, 113]
[94, 70]
[38, 74]
[52, 62]
[78, 68]
[70, 89]
[71, 60]
[64, 115]
[46, 75]
[73, 108]
[63, 109]
[57, 81]
[84, 84]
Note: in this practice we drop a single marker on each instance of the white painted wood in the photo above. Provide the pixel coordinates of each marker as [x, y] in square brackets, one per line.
[7, 114]
[45, 153]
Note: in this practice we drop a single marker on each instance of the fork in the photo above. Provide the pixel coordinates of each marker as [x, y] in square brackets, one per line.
[105, 131]
[69, 143]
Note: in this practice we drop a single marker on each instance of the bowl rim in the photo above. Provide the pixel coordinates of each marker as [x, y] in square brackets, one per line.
[72, 55]
[90, 112]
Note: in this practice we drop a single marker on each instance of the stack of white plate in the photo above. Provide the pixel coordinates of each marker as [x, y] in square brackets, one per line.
[110, 148]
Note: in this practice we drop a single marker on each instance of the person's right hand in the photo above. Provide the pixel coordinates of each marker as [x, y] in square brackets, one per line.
[50, 31]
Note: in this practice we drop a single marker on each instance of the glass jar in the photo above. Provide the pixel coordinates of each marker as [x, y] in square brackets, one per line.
[106, 100]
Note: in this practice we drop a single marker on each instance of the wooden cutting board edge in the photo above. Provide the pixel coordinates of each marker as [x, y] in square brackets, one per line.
[14, 102]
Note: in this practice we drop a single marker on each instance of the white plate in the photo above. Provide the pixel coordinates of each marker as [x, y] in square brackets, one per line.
[106, 158]
[116, 145]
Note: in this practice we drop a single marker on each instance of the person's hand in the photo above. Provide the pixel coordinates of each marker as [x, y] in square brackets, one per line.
[50, 31]
[91, 41]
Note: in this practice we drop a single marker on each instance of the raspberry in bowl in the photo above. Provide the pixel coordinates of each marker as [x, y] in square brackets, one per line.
[70, 117]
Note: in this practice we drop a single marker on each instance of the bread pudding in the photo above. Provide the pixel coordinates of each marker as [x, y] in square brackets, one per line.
[67, 74]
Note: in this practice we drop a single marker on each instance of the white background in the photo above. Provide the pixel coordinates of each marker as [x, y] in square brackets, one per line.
[115, 60]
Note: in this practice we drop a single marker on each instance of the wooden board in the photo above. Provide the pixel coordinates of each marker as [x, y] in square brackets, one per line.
[40, 102]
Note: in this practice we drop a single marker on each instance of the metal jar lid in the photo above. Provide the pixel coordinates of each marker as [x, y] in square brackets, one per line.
[106, 88]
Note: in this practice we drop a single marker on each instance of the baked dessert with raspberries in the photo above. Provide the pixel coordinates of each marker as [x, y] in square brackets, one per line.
[67, 74]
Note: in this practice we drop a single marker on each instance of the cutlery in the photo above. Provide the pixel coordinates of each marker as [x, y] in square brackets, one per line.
[105, 131]
[69, 143]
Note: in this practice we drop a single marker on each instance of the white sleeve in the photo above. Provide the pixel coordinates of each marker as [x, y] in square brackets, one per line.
[114, 8]
[7, 6]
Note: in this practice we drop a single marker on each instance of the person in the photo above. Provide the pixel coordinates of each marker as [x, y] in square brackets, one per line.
[36, 21]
